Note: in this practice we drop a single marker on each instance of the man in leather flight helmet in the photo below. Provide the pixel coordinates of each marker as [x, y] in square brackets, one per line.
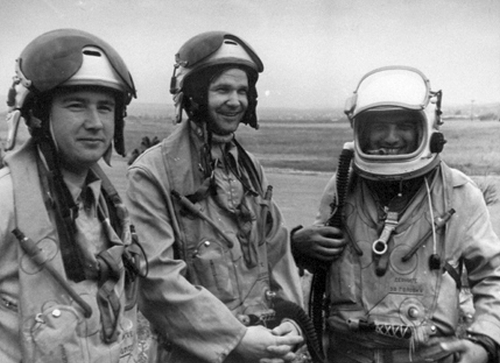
[215, 239]
[67, 260]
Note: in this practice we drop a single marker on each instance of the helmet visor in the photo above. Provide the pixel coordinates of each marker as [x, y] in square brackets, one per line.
[401, 87]
[391, 134]
[54, 57]
[202, 46]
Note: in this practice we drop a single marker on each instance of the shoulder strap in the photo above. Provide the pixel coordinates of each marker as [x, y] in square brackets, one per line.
[246, 163]
[116, 208]
[163, 167]
[65, 212]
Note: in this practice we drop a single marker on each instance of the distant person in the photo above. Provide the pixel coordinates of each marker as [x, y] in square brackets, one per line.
[68, 265]
[220, 265]
[407, 225]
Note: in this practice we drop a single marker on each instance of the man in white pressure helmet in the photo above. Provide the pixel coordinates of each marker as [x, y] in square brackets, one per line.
[222, 285]
[68, 261]
[407, 225]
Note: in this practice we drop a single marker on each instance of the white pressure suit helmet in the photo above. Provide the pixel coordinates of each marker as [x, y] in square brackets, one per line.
[66, 58]
[204, 56]
[396, 89]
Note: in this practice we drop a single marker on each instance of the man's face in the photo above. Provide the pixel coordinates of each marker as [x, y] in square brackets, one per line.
[82, 124]
[227, 101]
[391, 134]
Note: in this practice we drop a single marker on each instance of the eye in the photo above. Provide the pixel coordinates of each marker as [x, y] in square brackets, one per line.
[106, 107]
[377, 126]
[75, 105]
[243, 91]
[221, 89]
[407, 126]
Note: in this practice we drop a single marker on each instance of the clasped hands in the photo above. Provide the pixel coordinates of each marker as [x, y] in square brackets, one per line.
[260, 344]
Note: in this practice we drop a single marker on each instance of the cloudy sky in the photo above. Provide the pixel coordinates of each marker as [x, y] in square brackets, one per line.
[314, 51]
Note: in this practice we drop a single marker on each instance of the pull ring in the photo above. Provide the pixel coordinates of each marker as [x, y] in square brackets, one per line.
[379, 247]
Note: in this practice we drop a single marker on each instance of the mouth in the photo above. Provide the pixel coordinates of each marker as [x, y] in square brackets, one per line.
[230, 114]
[91, 140]
[386, 151]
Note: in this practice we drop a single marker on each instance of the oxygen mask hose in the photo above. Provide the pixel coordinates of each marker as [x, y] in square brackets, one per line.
[317, 304]
[342, 182]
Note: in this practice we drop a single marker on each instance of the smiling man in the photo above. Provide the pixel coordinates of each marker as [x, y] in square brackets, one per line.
[223, 284]
[410, 225]
[67, 259]
[391, 133]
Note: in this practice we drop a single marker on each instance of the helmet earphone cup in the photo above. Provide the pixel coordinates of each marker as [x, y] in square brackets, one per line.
[437, 141]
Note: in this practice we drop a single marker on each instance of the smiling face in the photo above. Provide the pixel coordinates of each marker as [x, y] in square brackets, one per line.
[391, 134]
[227, 101]
[82, 125]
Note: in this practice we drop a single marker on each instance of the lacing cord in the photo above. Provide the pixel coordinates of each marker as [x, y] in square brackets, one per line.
[431, 211]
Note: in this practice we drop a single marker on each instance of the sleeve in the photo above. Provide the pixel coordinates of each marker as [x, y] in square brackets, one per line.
[482, 261]
[9, 281]
[284, 274]
[188, 316]
[325, 209]
[6, 205]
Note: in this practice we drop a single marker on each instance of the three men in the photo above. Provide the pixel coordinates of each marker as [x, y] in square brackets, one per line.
[67, 259]
[220, 266]
[409, 225]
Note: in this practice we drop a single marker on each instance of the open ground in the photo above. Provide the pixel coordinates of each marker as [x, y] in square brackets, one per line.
[300, 157]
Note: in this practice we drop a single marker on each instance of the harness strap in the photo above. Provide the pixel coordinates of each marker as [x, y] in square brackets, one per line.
[109, 306]
[454, 274]
[246, 162]
[107, 299]
[65, 212]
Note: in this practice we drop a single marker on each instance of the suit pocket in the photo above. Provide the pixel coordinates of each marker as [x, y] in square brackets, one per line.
[212, 264]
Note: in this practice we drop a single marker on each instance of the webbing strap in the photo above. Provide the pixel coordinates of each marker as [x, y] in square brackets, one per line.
[107, 299]
[454, 274]
[65, 212]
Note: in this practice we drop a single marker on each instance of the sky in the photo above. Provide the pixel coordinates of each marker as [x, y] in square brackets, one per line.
[314, 51]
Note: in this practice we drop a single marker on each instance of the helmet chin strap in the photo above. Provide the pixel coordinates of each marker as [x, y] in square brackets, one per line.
[107, 154]
[52, 136]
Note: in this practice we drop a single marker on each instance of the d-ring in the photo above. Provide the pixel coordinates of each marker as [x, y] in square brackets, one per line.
[379, 247]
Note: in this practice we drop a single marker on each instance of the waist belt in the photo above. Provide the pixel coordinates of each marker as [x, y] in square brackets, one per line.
[342, 351]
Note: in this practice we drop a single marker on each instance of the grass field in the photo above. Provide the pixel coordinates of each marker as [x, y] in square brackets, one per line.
[314, 145]
[299, 156]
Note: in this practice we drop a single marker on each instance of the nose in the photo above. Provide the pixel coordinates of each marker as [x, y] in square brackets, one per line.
[93, 119]
[392, 135]
[233, 99]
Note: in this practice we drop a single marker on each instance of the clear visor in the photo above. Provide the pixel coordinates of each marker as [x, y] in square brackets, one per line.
[390, 133]
[392, 86]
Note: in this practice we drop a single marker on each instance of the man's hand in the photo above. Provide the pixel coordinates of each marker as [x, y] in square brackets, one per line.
[288, 329]
[321, 243]
[261, 344]
[465, 350]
